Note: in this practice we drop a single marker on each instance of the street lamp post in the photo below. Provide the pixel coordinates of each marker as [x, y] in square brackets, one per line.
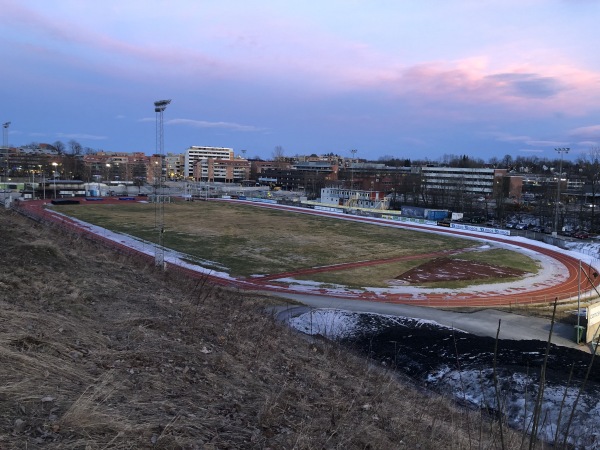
[560, 151]
[55, 165]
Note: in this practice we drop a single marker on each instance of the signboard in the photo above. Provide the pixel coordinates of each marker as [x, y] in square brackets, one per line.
[593, 322]
[480, 229]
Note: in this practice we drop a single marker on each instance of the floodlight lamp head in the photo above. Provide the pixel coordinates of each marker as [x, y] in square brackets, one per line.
[6, 124]
[161, 105]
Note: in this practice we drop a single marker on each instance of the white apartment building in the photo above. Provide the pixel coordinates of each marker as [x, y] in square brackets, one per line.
[196, 153]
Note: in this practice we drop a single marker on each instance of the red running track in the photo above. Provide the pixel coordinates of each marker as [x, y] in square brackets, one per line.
[539, 293]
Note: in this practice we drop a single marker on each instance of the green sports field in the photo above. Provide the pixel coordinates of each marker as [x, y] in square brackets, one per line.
[249, 240]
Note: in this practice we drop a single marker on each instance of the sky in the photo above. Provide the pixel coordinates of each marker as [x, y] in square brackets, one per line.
[402, 78]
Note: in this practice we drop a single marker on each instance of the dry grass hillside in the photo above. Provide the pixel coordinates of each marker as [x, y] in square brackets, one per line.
[102, 352]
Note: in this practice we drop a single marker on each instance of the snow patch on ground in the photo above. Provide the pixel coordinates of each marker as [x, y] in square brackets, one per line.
[336, 324]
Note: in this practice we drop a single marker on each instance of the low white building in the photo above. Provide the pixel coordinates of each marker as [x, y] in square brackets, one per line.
[354, 198]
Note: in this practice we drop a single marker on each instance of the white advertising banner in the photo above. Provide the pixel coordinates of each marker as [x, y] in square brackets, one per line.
[593, 321]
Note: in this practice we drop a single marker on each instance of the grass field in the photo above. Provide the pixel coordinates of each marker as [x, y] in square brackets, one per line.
[248, 240]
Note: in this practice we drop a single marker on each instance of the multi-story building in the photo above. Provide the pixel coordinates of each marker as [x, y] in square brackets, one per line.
[310, 176]
[475, 182]
[222, 170]
[195, 153]
[258, 168]
[175, 166]
[22, 162]
[116, 166]
[374, 176]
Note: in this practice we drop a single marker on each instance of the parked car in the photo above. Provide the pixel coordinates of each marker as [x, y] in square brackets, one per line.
[511, 224]
[536, 229]
[521, 226]
[581, 235]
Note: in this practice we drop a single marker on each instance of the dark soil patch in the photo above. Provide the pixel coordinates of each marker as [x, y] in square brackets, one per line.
[448, 269]
[420, 351]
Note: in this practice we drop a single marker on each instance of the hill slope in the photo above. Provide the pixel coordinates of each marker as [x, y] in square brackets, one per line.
[98, 351]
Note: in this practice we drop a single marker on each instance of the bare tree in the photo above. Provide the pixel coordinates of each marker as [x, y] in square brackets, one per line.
[60, 147]
[278, 153]
[507, 162]
[75, 147]
[279, 156]
[590, 169]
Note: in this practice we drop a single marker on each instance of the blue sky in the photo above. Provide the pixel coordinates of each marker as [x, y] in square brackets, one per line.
[410, 79]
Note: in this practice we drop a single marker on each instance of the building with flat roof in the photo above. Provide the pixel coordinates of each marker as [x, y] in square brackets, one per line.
[197, 153]
[352, 198]
[175, 165]
[469, 181]
[222, 170]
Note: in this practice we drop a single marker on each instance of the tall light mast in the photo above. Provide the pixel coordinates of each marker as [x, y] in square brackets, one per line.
[5, 126]
[159, 198]
[557, 205]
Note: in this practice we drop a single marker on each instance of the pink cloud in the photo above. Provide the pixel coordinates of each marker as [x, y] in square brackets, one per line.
[287, 52]
[589, 132]
[538, 90]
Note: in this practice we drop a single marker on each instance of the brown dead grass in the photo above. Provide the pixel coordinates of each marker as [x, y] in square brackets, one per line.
[100, 352]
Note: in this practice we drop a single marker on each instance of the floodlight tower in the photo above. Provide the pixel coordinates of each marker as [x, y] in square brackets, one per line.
[159, 198]
[5, 126]
[560, 152]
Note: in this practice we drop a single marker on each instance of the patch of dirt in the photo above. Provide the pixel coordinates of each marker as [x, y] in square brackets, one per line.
[448, 269]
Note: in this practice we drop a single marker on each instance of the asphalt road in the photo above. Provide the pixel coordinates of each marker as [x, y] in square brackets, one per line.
[480, 323]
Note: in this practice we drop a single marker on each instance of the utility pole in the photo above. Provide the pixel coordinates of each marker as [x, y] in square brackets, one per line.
[353, 151]
[577, 337]
[159, 205]
[247, 173]
[557, 203]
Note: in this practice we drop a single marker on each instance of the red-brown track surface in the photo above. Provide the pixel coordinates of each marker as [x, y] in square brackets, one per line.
[544, 292]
